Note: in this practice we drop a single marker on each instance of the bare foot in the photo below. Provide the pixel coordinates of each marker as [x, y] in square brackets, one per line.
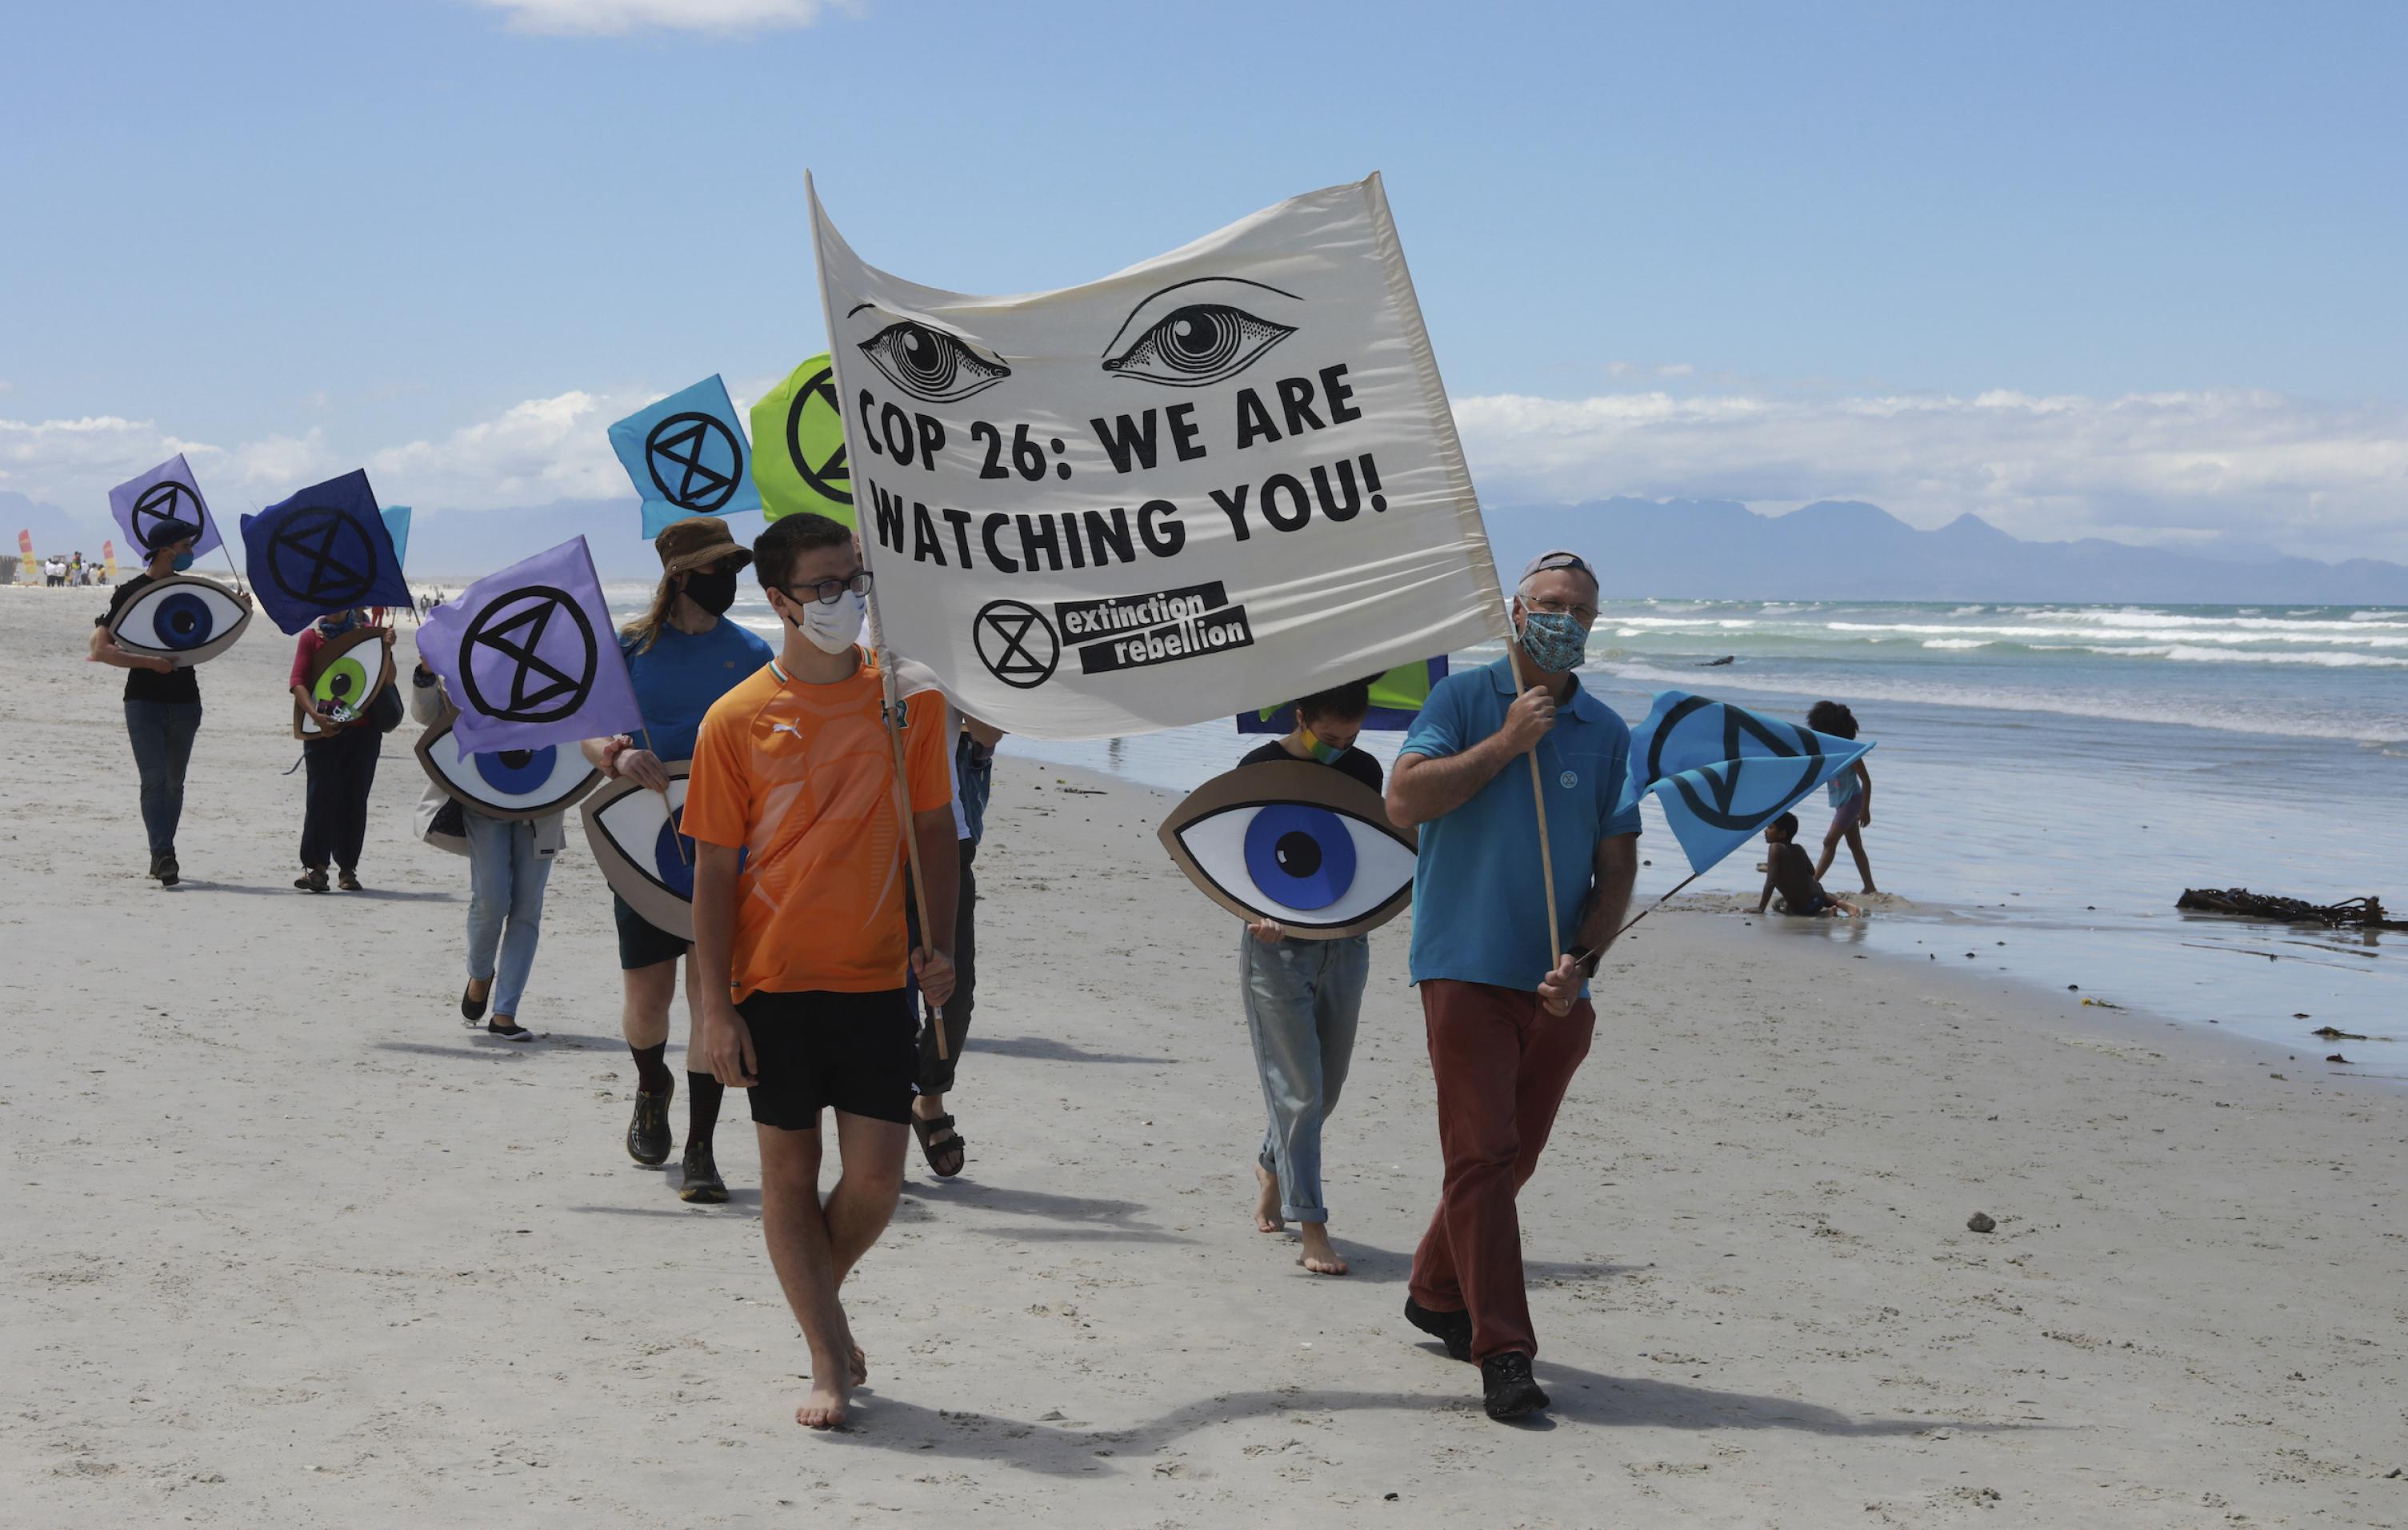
[1318, 1256]
[825, 1408]
[860, 1366]
[1267, 1204]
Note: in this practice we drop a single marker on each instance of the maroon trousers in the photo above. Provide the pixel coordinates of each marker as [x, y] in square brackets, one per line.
[1502, 1064]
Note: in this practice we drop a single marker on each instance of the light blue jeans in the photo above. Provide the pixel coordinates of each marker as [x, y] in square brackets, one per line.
[505, 882]
[1302, 1000]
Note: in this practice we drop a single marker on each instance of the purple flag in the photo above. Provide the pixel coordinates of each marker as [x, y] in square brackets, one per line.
[529, 657]
[167, 493]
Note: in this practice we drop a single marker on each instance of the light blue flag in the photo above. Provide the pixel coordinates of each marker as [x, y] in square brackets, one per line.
[687, 456]
[397, 522]
[1722, 772]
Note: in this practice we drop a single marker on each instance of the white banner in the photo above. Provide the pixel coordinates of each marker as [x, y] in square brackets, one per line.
[1217, 481]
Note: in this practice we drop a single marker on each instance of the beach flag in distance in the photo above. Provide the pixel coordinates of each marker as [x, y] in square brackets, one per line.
[29, 570]
[686, 455]
[167, 493]
[798, 460]
[1721, 773]
[323, 549]
[530, 658]
[109, 561]
[396, 526]
[1396, 699]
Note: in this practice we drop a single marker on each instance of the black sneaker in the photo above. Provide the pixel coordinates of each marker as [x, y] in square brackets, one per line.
[648, 1133]
[1452, 1329]
[1510, 1391]
[703, 1186]
[155, 859]
[168, 871]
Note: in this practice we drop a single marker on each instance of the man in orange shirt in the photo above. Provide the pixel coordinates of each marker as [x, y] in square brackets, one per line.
[799, 949]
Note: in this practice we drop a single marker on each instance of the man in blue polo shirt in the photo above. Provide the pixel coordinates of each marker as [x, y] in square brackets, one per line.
[1508, 1017]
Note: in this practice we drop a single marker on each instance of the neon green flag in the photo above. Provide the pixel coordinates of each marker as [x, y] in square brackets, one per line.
[798, 446]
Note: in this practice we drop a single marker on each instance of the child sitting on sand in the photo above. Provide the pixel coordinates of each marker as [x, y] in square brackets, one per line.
[1788, 871]
[1852, 795]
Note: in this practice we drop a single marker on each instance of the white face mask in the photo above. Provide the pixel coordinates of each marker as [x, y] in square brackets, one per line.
[832, 627]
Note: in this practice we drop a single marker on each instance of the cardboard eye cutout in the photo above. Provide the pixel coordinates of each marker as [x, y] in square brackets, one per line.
[183, 618]
[1297, 842]
[633, 831]
[349, 672]
[511, 783]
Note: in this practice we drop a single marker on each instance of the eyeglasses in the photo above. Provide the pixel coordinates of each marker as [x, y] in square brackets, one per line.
[1584, 615]
[828, 591]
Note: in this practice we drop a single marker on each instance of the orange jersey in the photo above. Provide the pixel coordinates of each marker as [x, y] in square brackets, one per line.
[801, 778]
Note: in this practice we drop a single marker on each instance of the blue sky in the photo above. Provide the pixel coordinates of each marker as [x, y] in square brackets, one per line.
[2130, 270]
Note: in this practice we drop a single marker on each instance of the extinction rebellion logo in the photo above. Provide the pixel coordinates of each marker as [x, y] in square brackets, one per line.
[1021, 646]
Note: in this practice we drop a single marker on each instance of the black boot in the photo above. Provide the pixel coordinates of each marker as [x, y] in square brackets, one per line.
[1452, 1329]
[647, 1132]
[1510, 1390]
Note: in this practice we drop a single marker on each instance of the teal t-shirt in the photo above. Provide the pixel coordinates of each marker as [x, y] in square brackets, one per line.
[682, 674]
[1479, 915]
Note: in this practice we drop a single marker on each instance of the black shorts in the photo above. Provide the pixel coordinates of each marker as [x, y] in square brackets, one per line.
[641, 942]
[856, 1052]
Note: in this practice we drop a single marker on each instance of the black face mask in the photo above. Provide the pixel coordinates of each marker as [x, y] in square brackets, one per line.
[713, 593]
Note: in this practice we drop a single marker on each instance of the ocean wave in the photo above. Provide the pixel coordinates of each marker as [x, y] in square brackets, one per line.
[1928, 688]
[1953, 642]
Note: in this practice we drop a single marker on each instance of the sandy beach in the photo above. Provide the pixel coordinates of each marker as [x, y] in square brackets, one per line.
[247, 1288]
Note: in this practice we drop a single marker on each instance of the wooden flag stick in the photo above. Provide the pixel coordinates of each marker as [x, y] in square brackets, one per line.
[893, 708]
[1539, 800]
[677, 834]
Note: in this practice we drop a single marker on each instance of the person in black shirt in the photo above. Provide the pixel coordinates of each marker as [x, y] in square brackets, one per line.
[163, 701]
[1302, 1000]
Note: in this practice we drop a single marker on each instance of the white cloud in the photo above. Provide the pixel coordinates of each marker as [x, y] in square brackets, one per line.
[611, 18]
[532, 453]
[2176, 468]
[2315, 480]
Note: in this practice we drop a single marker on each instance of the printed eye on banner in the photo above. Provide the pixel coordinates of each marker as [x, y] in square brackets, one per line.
[1297, 842]
[515, 783]
[1193, 333]
[929, 364]
[695, 460]
[530, 656]
[184, 617]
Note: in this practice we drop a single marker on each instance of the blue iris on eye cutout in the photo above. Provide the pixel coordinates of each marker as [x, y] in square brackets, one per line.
[516, 770]
[675, 871]
[1301, 855]
[183, 621]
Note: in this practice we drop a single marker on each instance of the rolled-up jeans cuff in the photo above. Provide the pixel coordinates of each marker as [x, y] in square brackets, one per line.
[1305, 1213]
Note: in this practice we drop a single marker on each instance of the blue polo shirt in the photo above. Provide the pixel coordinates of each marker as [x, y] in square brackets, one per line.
[1477, 912]
[682, 673]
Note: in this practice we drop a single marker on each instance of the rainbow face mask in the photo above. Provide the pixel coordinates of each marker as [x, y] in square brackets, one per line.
[1326, 753]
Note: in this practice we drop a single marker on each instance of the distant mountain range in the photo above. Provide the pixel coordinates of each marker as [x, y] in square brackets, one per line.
[1845, 549]
[1676, 549]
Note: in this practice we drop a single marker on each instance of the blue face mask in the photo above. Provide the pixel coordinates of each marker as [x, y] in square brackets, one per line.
[1555, 643]
[183, 561]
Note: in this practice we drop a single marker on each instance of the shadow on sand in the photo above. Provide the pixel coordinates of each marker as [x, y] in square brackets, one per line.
[1583, 1398]
[1041, 1048]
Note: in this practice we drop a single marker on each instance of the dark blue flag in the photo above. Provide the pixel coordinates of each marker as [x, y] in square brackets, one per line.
[324, 550]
